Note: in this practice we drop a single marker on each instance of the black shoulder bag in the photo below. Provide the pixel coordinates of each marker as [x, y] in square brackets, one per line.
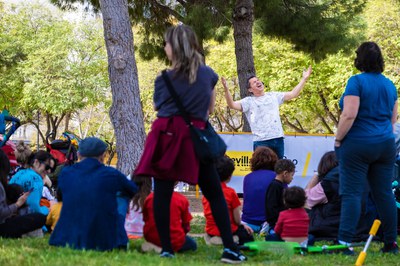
[208, 145]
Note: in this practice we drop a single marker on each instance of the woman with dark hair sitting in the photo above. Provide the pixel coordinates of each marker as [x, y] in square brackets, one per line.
[255, 187]
[324, 200]
[13, 225]
[31, 179]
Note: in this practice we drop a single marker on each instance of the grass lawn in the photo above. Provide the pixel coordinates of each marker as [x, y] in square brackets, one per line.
[37, 252]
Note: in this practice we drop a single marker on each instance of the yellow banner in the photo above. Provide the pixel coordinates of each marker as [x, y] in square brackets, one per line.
[242, 161]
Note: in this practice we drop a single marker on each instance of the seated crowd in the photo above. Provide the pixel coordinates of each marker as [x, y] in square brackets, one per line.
[78, 216]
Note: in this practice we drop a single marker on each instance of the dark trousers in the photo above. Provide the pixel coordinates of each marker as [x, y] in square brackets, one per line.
[277, 145]
[360, 163]
[190, 244]
[211, 188]
[16, 226]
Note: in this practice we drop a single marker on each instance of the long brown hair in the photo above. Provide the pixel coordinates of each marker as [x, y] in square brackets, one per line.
[328, 162]
[144, 184]
[185, 50]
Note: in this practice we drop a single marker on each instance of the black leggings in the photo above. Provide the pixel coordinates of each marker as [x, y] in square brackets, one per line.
[16, 226]
[211, 188]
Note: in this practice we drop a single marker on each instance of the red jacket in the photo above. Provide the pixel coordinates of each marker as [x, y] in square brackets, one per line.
[168, 152]
[232, 200]
[292, 223]
[179, 221]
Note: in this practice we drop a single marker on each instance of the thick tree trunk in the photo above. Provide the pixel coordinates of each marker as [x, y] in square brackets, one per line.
[126, 111]
[242, 31]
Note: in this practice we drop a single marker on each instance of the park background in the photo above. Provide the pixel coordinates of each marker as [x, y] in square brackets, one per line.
[54, 68]
[55, 76]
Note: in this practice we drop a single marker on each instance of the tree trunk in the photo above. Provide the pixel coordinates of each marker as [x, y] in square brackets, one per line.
[67, 120]
[242, 31]
[126, 110]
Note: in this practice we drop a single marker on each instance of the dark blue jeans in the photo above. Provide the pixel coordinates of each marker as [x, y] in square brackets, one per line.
[190, 244]
[277, 145]
[360, 163]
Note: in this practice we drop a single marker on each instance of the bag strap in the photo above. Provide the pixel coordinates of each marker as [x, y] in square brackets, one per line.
[175, 96]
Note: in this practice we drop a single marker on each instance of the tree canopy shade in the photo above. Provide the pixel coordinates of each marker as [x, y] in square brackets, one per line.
[210, 19]
[316, 27]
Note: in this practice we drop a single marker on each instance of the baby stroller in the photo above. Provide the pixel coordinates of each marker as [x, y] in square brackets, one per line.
[64, 150]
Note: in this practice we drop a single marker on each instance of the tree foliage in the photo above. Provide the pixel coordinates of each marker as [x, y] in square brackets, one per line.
[316, 27]
[51, 65]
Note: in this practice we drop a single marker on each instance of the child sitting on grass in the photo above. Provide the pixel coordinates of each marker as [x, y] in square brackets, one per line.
[225, 167]
[284, 170]
[292, 224]
[179, 225]
[134, 218]
[55, 210]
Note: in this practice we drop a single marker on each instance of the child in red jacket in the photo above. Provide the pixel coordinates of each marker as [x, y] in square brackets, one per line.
[179, 223]
[241, 232]
[292, 224]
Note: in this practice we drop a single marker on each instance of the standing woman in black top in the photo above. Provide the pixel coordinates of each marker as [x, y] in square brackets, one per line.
[194, 83]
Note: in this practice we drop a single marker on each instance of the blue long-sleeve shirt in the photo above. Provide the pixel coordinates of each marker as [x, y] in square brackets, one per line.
[29, 179]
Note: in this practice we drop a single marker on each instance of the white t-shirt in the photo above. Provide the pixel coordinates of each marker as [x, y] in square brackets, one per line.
[263, 115]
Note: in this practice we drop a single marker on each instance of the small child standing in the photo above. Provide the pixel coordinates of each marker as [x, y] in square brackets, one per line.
[292, 224]
[179, 224]
[225, 167]
[284, 170]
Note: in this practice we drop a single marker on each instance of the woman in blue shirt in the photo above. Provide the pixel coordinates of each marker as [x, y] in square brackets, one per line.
[30, 179]
[365, 145]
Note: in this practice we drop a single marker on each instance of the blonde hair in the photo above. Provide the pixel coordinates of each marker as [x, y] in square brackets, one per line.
[23, 153]
[185, 51]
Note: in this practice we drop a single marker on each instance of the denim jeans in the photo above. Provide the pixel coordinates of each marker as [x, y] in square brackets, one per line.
[360, 163]
[277, 145]
[190, 244]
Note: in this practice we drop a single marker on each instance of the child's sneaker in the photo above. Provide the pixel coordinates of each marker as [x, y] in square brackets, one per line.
[346, 251]
[166, 254]
[390, 248]
[232, 257]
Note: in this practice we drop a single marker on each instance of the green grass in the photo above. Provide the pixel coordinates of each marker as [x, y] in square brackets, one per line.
[37, 252]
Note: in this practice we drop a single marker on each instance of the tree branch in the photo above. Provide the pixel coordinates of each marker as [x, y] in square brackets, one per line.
[167, 9]
[330, 131]
[326, 108]
[298, 129]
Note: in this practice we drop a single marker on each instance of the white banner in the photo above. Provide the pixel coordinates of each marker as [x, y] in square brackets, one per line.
[303, 149]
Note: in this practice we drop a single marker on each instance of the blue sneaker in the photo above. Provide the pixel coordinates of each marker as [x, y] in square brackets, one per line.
[232, 257]
[166, 254]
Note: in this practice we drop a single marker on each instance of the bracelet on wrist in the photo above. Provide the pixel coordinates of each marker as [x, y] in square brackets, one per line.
[338, 140]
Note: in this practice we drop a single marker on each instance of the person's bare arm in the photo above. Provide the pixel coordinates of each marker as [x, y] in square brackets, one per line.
[236, 216]
[236, 105]
[313, 181]
[299, 87]
[351, 104]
